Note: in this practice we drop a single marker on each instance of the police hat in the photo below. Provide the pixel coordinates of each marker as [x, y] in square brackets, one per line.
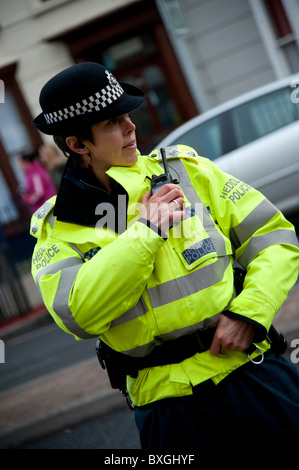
[83, 94]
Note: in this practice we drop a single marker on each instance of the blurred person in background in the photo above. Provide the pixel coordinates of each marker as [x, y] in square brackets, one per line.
[54, 161]
[38, 184]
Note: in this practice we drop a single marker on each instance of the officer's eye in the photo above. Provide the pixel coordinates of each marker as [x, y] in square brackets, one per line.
[112, 120]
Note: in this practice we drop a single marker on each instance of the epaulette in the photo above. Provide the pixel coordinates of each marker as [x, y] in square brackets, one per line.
[40, 216]
[173, 152]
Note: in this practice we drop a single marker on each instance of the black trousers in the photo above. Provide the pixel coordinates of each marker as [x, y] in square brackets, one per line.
[255, 409]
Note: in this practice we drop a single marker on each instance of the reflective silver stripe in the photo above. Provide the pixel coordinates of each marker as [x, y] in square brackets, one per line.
[51, 219]
[209, 321]
[192, 196]
[257, 218]
[260, 242]
[75, 248]
[138, 311]
[189, 284]
[145, 349]
[69, 268]
[186, 330]
[43, 210]
[60, 303]
[58, 266]
[185, 181]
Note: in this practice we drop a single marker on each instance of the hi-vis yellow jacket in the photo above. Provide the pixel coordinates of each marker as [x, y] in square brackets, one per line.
[136, 288]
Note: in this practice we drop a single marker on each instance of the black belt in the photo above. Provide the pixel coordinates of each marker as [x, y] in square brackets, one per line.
[177, 350]
[173, 351]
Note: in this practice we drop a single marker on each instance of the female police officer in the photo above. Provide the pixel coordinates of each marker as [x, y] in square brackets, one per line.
[151, 272]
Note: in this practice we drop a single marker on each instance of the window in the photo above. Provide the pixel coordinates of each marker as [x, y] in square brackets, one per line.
[205, 138]
[15, 140]
[173, 14]
[13, 133]
[2, 91]
[158, 112]
[17, 136]
[8, 210]
[159, 96]
[132, 48]
[285, 38]
[263, 115]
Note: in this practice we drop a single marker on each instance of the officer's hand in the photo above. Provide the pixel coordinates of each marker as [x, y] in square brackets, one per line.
[164, 207]
[231, 334]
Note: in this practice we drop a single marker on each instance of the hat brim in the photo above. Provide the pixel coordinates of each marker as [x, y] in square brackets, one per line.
[128, 101]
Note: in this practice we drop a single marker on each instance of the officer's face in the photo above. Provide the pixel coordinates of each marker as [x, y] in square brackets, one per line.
[114, 143]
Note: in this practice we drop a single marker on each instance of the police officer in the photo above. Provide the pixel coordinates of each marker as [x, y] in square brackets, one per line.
[152, 273]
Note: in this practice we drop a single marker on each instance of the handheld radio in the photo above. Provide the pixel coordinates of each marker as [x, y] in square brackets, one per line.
[165, 178]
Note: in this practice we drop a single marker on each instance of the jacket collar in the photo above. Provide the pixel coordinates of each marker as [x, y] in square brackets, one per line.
[79, 194]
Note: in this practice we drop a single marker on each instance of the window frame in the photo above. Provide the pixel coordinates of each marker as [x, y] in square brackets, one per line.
[7, 74]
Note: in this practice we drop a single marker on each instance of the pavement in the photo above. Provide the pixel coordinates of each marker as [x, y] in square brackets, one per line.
[71, 396]
[65, 398]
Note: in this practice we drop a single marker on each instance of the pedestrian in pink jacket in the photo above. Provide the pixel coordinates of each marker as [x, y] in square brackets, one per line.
[38, 185]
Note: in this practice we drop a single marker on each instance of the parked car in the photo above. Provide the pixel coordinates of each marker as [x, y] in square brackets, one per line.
[254, 137]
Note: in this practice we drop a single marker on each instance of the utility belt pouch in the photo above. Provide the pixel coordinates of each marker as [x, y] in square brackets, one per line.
[277, 340]
[111, 361]
[116, 367]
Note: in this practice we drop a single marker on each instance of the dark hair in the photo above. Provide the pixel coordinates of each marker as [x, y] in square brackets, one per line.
[29, 157]
[60, 141]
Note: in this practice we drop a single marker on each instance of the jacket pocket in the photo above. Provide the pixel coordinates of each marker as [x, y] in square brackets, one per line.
[199, 241]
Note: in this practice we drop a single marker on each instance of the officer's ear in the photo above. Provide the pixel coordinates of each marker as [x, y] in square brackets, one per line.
[76, 145]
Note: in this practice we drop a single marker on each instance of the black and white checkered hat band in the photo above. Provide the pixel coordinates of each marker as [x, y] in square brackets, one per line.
[93, 103]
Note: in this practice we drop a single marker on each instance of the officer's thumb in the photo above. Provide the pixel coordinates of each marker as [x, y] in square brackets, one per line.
[146, 197]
